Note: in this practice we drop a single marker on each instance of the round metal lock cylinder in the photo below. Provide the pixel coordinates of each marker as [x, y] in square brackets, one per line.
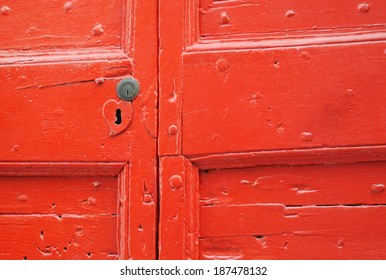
[128, 89]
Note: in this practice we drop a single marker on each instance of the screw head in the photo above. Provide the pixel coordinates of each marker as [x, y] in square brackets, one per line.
[128, 89]
[175, 182]
[172, 130]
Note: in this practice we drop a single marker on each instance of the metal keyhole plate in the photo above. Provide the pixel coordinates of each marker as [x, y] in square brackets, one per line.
[128, 89]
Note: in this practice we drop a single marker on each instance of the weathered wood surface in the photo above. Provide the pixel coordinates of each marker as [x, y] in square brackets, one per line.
[58, 217]
[60, 62]
[277, 18]
[281, 106]
[294, 212]
[179, 209]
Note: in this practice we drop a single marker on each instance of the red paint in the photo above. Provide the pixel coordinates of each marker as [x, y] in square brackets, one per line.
[66, 162]
[297, 17]
[265, 120]
[179, 209]
[280, 106]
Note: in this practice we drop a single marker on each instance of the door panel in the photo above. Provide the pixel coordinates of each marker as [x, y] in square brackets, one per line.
[317, 212]
[333, 184]
[61, 24]
[68, 237]
[304, 246]
[62, 114]
[273, 18]
[281, 114]
[52, 195]
[301, 97]
[56, 211]
[64, 131]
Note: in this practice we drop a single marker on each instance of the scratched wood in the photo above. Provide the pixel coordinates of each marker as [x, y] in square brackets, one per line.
[50, 236]
[60, 24]
[60, 169]
[50, 195]
[179, 209]
[282, 107]
[360, 183]
[294, 246]
[260, 219]
[60, 217]
[293, 212]
[60, 64]
[58, 117]
[170, 80]
[142, 196]
[318, 156]
[284, 98]
[354, 232]
[274, 18]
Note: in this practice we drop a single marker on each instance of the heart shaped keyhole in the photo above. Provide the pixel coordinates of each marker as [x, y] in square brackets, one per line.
[118, 117]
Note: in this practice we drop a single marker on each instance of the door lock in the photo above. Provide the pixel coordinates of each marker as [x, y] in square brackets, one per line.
[128, 89]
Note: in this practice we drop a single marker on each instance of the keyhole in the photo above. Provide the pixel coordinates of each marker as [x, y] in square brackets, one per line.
[118, 117]
[127, 92]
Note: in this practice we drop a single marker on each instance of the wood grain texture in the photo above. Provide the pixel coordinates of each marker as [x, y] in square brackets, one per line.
[283, 113]
[61, 168]
[64, 112]
[333, 211]
[60, 24]
[170, 76]
[273, 18]
[142, 178]
[50, 236]
[287, 98]
[331, 232]
[332, 184]
[58, 195]
[294, 247]
[292, 157]
[58, 217]
[179, 209]
[54, 88]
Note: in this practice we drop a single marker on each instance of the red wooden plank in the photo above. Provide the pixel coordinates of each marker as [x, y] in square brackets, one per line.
[268, 219]
[274, 18]
[292, 157]
[58, 195]
[252, 232]
[295, 246]
[124, 248]
[292, 98]
[42, 237]
[59, 124]
[170, 76]
[252, 41]
[26, 58]
[179, 211]
[184, 23]
[65, 24]
[142, 180]
[361, 183]
[239, 220]
[60, 168]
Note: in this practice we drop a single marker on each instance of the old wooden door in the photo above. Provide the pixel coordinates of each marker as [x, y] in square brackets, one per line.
[272, 129]
[77, 164]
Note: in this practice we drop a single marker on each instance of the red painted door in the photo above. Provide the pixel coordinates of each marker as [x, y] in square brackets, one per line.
[270, 135]
[272, 129]
[77, 163]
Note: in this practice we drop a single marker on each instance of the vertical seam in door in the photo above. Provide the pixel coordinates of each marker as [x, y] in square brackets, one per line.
[157, 141]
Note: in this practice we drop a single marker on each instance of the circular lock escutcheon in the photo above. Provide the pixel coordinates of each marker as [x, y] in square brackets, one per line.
[128, 89]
